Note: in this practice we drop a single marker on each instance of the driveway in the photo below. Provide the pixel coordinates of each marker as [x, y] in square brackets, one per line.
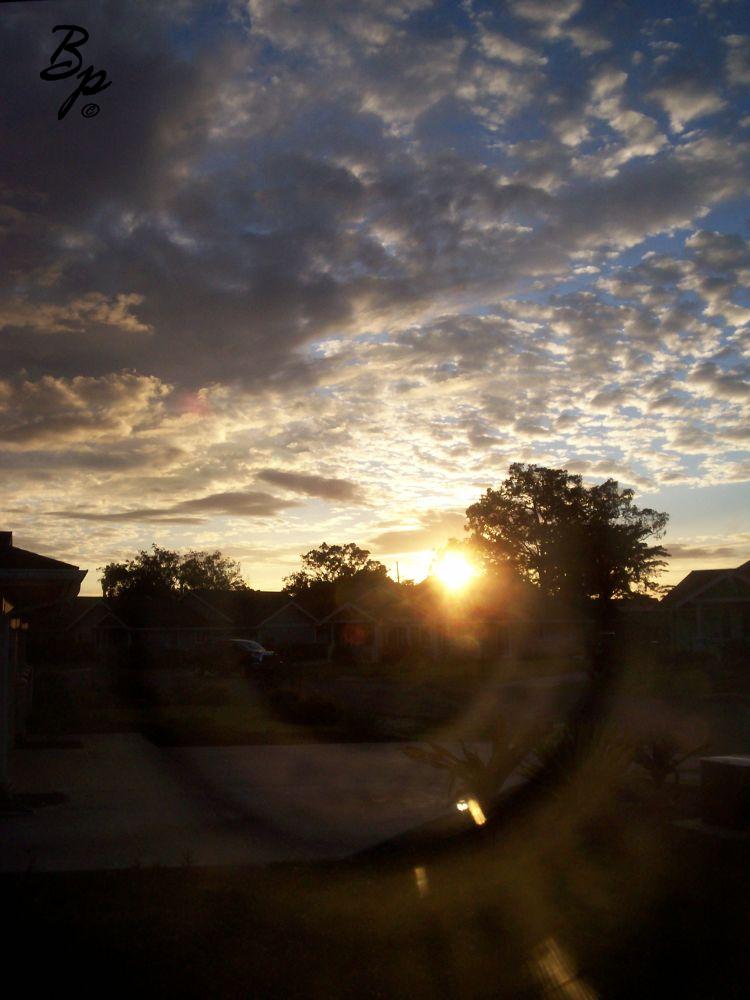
[130, 803]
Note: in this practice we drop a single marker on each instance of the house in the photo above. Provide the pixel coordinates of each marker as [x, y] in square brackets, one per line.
[387, 622]
[27, 580]
[270, 617]
[154, 626]
[709, 609]
[74, 628]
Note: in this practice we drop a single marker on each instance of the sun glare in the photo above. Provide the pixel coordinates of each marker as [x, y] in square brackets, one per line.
[453, 570]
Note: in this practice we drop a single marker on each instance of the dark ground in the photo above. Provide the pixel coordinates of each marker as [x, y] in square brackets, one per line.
[592, 895]
[624, 905]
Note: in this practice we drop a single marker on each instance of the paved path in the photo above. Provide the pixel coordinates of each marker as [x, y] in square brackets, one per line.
[130, 803]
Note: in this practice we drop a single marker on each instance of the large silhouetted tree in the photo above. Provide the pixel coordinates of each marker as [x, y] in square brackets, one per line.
[566, 538]
[329, 565]
[162, 571]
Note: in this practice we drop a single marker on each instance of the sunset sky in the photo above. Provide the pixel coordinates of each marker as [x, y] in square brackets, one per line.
[321, 271]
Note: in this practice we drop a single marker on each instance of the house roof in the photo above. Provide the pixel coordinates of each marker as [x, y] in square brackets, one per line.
[347, 614]
[28, 578]
[698, 581]
[694, 582]
[160, 611]
[63, 615]
[13, 558]
[294, 607]
[247, 608]
[392, 606]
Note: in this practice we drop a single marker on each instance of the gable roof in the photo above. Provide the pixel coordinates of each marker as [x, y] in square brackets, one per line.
[28, 578]
[160, 611]
[348, 614]
[294, 606]
[247, 608]
[13, 558]
[699, 581]
[66, 614]
[692, 584]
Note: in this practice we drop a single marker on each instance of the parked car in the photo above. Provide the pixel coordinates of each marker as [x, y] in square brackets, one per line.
[238, 655]
[253, 650]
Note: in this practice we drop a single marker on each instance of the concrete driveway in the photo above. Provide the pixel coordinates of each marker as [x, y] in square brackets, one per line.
[130, 803]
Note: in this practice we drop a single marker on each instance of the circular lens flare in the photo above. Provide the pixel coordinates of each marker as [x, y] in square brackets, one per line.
[454, 570]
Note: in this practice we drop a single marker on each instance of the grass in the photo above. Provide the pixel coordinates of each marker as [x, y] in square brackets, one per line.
[183, 708]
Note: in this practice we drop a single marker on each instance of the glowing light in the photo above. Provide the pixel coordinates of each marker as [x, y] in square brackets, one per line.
[420, 877]
[454, 570]
[474, 808]
[556, 973]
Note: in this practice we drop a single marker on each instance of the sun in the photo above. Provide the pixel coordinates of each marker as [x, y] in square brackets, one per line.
[454, 570]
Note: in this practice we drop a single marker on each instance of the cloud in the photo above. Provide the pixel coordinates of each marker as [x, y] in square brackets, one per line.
[88, 311]
[725, 553]
[353, 251]
[551, 19]
[684, 96]
[738, 59]
[436, 527]
[314, 486]
[59, 411]
[234, 503]
[498, 46]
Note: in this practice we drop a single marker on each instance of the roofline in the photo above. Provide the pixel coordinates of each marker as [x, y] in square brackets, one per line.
[207, 604]
[283, 608]
[348, 604]
[89, 609]
[61, 572]
[725, 574]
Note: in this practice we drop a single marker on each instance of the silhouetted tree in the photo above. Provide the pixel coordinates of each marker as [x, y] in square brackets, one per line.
[566, 538]
[329, 565]
[162, 571]
[209, 571]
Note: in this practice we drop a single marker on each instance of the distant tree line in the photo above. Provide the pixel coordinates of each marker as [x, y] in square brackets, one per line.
[540, 525]
[330, 566]
[162, 571]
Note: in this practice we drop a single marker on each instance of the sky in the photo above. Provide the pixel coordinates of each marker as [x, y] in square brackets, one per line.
[320, 271]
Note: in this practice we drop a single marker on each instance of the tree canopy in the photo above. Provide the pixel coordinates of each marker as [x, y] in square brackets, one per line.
[566, 538]
[333, 564]
[162, 571]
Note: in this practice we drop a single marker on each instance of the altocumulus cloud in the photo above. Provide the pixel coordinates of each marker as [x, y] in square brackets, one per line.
[235, 504]
[313, 486]
[369, 254]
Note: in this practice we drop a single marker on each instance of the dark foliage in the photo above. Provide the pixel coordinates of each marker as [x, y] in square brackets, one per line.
[568, 539]
[162, 571]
